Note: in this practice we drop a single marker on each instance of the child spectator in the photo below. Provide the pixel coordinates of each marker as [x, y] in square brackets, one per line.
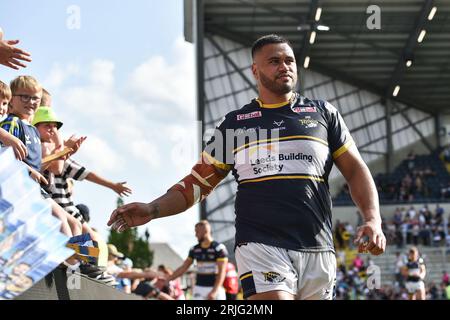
[7, 139]
[60, 170]
[47, 124]
[26, 95]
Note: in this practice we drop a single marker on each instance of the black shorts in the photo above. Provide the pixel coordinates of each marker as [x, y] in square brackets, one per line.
[146, 289]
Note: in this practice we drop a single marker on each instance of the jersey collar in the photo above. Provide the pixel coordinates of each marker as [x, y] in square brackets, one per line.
[277, 105]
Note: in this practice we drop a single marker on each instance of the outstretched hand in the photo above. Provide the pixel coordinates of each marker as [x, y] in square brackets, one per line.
[376, 241]
[121, 189]
[74, 143]
[11, 56]
[132, 215]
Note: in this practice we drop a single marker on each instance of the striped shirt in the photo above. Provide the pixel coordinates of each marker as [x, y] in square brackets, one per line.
[60, 190]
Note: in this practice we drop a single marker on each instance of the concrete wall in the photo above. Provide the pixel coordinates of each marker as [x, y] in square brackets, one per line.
[54, 287]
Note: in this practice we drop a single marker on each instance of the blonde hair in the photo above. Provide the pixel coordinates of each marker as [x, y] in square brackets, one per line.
[5, 91]
[25, 82]
[46, 98]
[204, 223]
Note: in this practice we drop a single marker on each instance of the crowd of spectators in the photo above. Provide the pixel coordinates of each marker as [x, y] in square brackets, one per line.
[417, 178]
[353, 281]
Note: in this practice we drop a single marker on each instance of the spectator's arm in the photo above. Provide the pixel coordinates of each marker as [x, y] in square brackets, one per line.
[19, 148]
[220, 277]
[119, 187]
[11, 56]
[74, 143]
[148, 274]
[204, 177]
[55, 166]
[36, 176]
[364, 194]
[181, 269]
[163, 296]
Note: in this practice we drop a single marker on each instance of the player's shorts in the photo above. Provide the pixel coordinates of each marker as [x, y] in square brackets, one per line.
[413, 287]
[307, 275]
[201, 293]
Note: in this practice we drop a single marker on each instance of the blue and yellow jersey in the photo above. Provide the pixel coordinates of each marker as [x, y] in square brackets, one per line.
[414, 268]
[30, 137]
[281, 156]
[206, 260]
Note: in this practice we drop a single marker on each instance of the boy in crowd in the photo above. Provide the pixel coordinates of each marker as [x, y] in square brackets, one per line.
[6, 139]
[48, 125]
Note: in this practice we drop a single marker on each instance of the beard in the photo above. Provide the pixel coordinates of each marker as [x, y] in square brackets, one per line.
[277, 87]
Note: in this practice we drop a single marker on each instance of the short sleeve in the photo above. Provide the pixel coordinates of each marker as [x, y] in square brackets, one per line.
[221, 252]
[11, 125]
[219, 149]
[191, 253]
[339, 138]
[74, 170]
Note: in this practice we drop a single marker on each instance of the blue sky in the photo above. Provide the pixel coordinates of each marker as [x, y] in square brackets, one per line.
[125, 78]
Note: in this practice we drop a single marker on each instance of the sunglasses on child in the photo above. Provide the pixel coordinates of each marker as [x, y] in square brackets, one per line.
[26, 98]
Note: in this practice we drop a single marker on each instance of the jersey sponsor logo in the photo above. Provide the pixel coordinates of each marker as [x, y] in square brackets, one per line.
[245, 130]
[272, 162]
[278, 123]
[304, 109]
[295, 156]
[307, 122]
[204, 267]
[27, 139]
[273, 277]
[254, 114]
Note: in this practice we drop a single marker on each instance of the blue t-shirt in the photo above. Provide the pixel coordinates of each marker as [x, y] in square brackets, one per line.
[29, 135]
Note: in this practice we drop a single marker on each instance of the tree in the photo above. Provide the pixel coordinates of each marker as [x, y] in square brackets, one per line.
[132, 245]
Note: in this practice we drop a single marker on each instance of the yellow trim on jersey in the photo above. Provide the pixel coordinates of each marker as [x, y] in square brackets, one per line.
[272, 105]
[222, 259]
[284, 177]
[216, 162]
[281, 139]
[342, 149]
[275, 105]
[246, 276]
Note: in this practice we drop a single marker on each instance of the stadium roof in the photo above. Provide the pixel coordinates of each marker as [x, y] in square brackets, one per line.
[374, 60]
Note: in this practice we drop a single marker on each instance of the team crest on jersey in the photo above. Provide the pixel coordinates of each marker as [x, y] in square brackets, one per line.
[304, 109]
[307, 122]
[273, 277]
[254, 114]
